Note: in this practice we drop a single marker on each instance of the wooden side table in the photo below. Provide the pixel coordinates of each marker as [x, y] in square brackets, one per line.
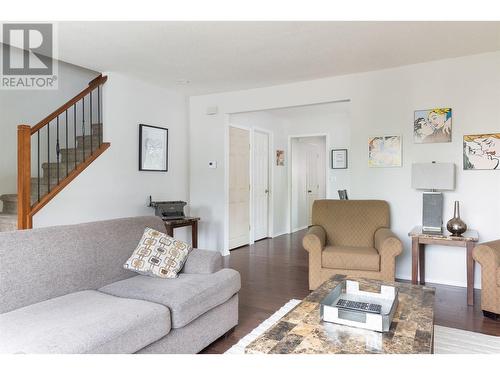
[420, 239]
[171, 224]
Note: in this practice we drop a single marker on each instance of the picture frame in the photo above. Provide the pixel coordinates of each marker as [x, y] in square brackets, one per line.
[153, 148]
[481, 151]
[339, 158]
[280, 158]
[432, 125]
[385, 151]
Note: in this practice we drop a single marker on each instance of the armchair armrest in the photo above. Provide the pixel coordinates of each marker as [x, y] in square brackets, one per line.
[203, 261]
[314, 242]
[487, 254]
[315, 239]
[387, 243]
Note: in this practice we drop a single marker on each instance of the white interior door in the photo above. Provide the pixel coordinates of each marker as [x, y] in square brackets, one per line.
[312, 177]
[261, 185]
[239, 187]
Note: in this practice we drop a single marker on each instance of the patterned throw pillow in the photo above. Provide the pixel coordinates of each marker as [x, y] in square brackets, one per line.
[158, 255]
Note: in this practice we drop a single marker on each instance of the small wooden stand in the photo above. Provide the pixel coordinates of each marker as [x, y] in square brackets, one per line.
[171, 224]
[420, 239]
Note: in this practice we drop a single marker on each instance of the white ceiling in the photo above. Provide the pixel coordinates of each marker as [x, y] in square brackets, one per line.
[223, 56]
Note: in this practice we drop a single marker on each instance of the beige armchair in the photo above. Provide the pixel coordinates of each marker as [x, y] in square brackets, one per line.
[351, 237]
[488, 256]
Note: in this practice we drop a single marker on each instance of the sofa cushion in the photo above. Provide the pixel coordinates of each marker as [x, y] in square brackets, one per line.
[187, 297]
[351, 258]
[158, 255]
[83, 322]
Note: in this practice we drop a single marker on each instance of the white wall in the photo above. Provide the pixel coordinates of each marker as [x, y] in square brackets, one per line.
[382, 102]
[28, 107]
[112, 186]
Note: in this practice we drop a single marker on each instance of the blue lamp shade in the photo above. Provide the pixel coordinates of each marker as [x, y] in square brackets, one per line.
[433, 176]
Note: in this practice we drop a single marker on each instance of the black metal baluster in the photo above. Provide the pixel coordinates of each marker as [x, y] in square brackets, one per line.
[48, 157]
[91, 125]
[38, 164]
[99, 114]
[57, 149]
[74, 124]
[83, 126]
[67, 165]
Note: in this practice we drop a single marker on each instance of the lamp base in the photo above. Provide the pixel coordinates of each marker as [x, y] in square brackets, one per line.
[432, 212]
[438, 231]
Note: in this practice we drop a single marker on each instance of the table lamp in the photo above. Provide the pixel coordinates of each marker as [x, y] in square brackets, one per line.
[432, 177]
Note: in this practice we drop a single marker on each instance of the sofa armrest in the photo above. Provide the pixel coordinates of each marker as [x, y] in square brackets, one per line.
[315, 239]
[487, 254]
[203, 261]
[387, 243]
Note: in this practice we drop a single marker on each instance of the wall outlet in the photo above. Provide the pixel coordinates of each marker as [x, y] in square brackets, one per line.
[212, 164]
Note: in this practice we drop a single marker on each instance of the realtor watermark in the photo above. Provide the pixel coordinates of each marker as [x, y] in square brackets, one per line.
[28, 60]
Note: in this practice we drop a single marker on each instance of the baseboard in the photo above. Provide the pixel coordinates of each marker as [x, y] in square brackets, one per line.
[280, 234]
[300, 228]
[441, 282]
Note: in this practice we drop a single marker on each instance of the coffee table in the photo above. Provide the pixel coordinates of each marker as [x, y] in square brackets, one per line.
[302, 331]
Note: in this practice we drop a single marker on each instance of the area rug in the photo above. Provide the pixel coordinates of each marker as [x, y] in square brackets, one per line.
[446, 340]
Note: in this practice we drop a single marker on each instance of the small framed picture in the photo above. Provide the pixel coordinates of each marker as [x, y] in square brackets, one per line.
[339, 158]
[153, 148]
[280, 158]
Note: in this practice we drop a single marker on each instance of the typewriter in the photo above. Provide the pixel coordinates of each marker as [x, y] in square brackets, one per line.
[170, 210]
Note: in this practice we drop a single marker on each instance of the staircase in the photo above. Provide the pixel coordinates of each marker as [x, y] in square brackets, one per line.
[53, 153]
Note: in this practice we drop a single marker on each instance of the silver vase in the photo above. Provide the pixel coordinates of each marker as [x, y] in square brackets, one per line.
[456, 226]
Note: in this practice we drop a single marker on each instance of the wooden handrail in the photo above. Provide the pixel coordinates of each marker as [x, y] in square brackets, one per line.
[92, 85]
[23, 177]
[25, 209]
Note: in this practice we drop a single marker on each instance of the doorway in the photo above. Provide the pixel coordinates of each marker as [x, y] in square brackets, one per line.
[308, 178]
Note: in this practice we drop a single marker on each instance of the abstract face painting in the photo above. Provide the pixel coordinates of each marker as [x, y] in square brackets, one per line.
[482, 151]
[432, 125]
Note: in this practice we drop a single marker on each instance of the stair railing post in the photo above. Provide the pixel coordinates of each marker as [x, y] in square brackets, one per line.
[24, 219]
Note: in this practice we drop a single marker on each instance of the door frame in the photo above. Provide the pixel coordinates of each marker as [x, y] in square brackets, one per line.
[251, 129]
[270, 175]
[289, 171]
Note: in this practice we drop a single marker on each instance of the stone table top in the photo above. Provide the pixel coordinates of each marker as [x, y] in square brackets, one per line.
[468, 235]
[302, 331]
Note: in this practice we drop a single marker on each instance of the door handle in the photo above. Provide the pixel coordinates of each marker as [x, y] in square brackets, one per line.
[266, 191]
[309, 191]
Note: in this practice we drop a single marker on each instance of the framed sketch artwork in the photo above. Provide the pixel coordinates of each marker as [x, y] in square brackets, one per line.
[153, 148]
[339, 158]
[482, 151]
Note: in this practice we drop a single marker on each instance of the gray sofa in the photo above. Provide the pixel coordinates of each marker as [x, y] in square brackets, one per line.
[64, 290]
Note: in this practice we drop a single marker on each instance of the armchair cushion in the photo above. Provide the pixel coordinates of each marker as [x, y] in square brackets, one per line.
[351, 258]
[498, 276]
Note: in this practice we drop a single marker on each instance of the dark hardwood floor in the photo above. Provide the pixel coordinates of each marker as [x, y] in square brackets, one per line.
[273, 271]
